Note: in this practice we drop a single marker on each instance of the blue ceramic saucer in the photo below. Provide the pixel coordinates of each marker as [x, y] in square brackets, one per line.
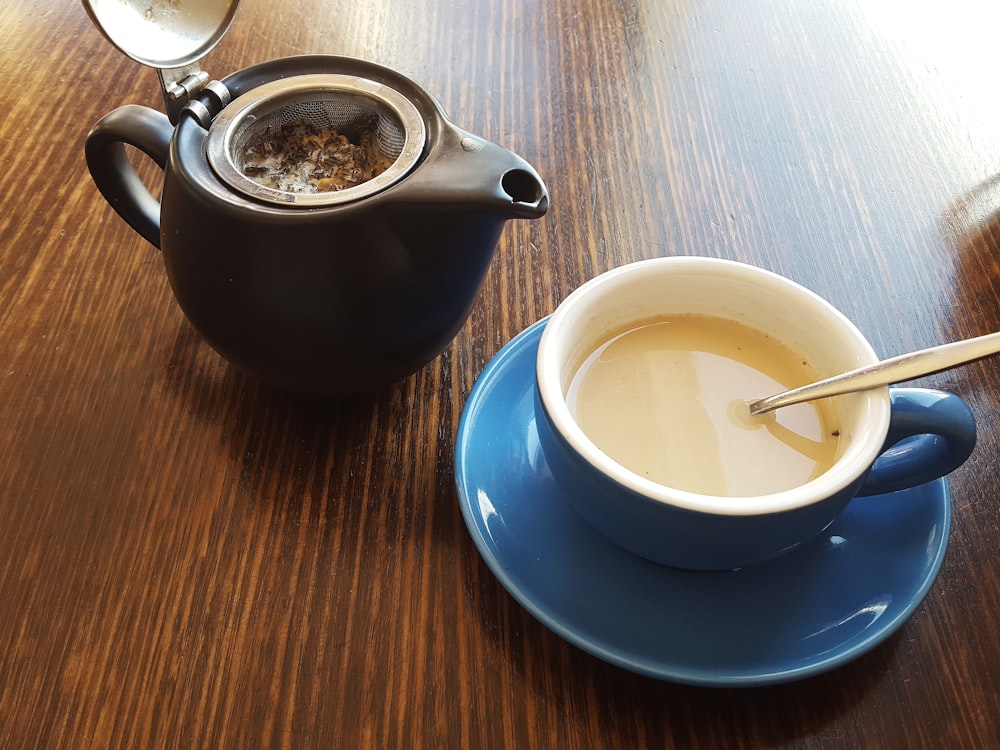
[805, 613]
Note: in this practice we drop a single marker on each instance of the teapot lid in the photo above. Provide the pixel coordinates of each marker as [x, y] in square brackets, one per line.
[169, 35]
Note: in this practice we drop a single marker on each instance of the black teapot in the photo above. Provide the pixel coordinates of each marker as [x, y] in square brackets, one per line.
[328, 289]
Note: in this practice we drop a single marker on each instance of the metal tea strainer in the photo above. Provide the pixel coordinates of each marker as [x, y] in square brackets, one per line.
[316, 140]
[308, 140]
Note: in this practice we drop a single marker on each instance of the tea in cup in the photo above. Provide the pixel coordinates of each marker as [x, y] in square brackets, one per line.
[643, 375]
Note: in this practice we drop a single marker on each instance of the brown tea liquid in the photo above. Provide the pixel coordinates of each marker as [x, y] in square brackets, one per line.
[666, 399]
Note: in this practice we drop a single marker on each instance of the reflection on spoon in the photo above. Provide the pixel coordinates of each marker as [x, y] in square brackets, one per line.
[894, 370]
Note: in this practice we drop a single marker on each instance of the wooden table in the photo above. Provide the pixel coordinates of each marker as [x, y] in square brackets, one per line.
[191, 559]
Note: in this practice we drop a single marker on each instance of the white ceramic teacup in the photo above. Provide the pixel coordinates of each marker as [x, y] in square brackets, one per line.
[890, 439]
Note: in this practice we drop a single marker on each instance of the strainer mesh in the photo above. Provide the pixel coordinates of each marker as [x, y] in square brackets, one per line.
[375, 134]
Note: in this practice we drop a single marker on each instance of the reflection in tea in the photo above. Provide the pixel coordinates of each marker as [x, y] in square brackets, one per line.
[666, 399]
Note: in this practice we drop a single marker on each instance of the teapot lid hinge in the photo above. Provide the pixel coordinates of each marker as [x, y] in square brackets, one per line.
[179, 86]
[214, 98]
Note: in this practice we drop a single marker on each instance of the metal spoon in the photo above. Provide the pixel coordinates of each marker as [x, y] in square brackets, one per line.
[893, 370]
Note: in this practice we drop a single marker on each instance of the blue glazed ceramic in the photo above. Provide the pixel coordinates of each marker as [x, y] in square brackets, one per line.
[804, 613]
[703, 541]
[890, 439]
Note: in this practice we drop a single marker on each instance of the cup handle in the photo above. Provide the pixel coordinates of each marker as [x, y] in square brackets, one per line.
[150, 132]
[931, 433]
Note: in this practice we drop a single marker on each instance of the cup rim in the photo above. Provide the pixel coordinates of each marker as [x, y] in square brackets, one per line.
[866, 446]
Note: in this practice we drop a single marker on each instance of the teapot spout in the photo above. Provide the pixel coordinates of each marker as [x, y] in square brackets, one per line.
[466, 172]
[528, 196]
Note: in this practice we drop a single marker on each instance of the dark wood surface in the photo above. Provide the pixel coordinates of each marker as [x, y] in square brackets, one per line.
[191, 559]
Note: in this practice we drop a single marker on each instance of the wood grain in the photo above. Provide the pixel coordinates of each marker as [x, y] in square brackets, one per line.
[191, 559]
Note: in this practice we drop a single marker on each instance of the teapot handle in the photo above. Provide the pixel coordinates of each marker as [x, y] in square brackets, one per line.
[150, 132]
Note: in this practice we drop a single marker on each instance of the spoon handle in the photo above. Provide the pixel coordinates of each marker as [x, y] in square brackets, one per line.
[893, 370]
